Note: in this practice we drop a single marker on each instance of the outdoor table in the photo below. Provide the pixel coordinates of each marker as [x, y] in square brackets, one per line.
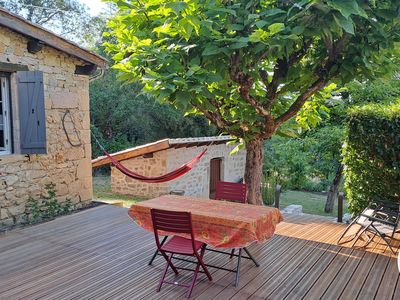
[220, 224]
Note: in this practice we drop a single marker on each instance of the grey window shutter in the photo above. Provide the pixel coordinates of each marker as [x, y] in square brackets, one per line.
[31, 112]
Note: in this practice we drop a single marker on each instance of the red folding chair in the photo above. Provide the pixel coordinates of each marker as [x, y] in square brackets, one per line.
[178, 222]
[231, 191]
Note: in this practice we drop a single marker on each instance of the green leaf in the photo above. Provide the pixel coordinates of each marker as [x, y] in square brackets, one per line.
[186, 28]
[261, 24]
[298, 30]
[238, 45]
[225, 10]
[347, 7]
[182, 97]
[258, 35]
[274, 11]
[275, 28]
[211, 50]
[177, 7]
[346, 24]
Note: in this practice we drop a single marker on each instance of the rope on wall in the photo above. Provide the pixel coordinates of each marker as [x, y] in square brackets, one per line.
[79, 144]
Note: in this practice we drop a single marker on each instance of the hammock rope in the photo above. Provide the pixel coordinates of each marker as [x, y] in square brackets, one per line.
[182, 170]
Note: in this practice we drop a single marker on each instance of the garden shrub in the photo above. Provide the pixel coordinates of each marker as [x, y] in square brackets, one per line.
[48, 207]
[371, 155]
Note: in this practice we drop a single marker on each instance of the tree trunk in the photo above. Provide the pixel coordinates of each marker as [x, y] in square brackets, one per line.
[253, 172]
[333, 190]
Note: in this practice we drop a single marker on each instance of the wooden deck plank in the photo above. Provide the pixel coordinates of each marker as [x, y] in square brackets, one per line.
[313, 274]
[359, 276]
[101, 254]
[338, 284]
[85, 270]
[324, 280]
[279, 268]
[388, 284]
[280, 285]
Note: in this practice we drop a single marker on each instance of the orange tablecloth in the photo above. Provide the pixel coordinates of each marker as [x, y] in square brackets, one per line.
[218, 223]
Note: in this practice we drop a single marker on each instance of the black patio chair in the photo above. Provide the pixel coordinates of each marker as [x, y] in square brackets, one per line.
[380, 218]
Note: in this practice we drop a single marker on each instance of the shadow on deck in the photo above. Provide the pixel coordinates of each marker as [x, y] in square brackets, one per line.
[101, 254]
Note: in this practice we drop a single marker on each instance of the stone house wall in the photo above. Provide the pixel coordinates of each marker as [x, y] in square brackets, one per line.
[152, 166]
[68, 167]
[197, 181]
[194, 183]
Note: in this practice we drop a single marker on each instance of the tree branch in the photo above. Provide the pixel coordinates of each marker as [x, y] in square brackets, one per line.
[218, 120]
[48, 18]
[301, 99]
[245, 83]
[280, 70]
[323, 77]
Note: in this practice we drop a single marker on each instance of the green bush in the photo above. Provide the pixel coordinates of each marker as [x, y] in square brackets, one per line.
[48, 207]
[371, 155]
[268, 187]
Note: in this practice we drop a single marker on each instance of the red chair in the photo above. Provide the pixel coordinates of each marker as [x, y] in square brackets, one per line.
[231, 191]
[178, 222]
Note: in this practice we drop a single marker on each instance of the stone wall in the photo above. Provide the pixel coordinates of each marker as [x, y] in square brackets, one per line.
[68, 167]
[152, 166]
[194, 183]
[197, 181]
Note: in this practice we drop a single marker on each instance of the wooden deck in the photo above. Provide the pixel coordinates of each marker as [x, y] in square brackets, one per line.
[101, 254]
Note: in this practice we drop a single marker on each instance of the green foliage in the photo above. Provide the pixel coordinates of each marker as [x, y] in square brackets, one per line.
[34, 212]
[268, 187]
[68, 18]
[48, 207]
[249, 66]
[296, 162]
[123, 117]
[372, 155]
[376, 91]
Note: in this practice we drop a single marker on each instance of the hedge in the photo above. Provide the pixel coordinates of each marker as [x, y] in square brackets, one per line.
[371, 155]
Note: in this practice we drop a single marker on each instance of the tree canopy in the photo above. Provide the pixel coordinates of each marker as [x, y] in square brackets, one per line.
[69, 18]
[123, 117]
[250, 66]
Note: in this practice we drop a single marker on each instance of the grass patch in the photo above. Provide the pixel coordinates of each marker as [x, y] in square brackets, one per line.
[313, 203]
[102, 191]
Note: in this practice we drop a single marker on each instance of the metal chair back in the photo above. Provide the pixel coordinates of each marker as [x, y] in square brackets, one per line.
[231, 191]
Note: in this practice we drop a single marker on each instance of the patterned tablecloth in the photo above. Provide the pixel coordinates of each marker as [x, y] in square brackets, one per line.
[218, 223]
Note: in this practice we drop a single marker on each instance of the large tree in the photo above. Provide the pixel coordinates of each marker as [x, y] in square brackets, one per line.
[250, 66]
[69, 18]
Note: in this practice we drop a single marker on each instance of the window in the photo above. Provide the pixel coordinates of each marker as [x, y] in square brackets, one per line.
[27, 100]
[5, 120]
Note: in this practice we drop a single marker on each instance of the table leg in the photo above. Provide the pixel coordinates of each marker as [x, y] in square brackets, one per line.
[156, 252]
[238, 268]
[251, 257]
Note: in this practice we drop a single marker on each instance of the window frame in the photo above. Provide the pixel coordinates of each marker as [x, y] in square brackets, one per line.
[6, 103]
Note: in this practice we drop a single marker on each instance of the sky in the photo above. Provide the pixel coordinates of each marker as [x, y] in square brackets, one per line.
[95, 6]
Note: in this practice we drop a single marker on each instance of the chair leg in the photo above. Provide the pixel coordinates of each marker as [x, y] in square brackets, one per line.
[358, 235]
[200, 259]
[156, 252]
[383, 237]
[346, 230]
[169, 263]
[232, 253]
[196, 271]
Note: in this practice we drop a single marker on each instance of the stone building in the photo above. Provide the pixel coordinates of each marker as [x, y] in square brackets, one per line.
[44, 117]
[164, 156]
